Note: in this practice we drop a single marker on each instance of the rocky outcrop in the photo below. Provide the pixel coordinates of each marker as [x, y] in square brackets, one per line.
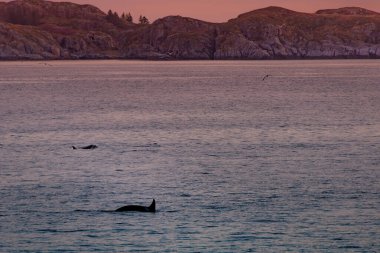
[348, 11]
[173, 37]
[279, 33]
[38, 29]
[19, 42]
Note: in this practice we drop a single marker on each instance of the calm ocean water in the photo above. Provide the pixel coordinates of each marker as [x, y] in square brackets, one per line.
[235, 163]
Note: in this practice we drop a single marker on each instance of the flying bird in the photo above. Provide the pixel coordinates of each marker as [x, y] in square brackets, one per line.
[265, 77]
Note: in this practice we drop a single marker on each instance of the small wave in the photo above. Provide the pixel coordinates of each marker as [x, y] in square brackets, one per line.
[92, 211]
[266, 221]
[144, 150]
[350, 247]
[146, 146]
[47, 230]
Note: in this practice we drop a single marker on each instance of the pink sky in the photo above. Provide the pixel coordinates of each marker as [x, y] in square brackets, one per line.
[217, 10]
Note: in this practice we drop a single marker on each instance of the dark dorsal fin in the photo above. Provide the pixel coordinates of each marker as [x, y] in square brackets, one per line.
[152, 206]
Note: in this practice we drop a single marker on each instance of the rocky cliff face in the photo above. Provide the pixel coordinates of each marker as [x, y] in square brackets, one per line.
[348, 11]
[279, 33]
[173, 37]
[37, 29]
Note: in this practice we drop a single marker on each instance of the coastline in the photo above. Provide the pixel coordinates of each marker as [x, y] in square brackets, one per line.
[188, 60]
[272, 33]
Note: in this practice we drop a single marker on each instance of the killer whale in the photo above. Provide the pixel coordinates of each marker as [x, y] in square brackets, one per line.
[86, 147]
[136, 208]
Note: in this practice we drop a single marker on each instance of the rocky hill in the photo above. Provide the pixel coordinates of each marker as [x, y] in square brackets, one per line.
[38, 29]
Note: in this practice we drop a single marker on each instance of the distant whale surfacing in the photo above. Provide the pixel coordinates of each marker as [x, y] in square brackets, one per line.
[86, 147]
[136, 208]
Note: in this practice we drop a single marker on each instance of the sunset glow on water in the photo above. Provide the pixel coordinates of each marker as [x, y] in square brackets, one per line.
[236, 163]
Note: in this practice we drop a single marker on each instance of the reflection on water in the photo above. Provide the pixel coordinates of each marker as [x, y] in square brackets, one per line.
[235, 163]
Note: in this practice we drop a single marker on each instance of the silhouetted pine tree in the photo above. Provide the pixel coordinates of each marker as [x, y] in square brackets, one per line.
[143, 20]
[129, 18]
[114, 18]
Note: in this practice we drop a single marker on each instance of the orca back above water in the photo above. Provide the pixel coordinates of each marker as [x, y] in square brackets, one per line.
[86, 147]
[136, 208]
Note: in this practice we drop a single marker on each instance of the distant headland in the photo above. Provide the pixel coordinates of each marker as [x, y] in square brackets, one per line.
[44, 30]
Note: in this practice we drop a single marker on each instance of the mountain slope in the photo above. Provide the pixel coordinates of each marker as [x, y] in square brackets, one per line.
[38, 29]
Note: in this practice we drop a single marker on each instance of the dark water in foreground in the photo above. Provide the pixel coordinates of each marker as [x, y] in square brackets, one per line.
[236, 164]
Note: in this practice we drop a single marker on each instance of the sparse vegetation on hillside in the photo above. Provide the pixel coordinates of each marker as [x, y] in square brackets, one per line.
[66, 30]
